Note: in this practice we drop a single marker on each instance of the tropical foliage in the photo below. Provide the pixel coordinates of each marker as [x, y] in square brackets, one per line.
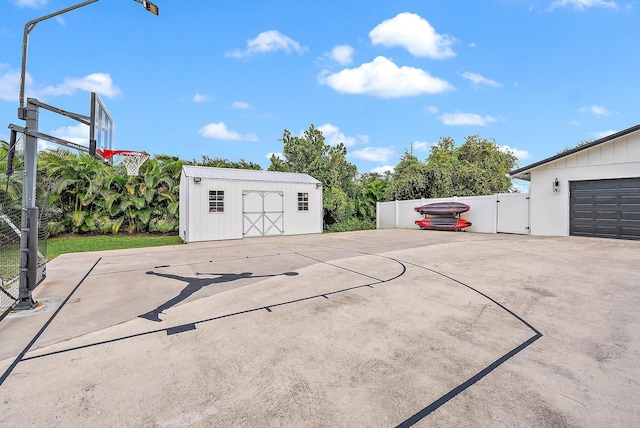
[87, 196]
[477, 167]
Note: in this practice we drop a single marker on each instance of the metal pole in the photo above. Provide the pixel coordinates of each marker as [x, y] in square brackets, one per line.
[28, 277]
[28, 282]
[28, 27]
[29, 238]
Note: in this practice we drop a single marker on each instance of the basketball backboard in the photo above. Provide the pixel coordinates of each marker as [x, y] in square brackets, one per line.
[101, 128]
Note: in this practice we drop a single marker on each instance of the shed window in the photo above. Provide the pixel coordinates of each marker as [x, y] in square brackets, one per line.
[303, 202]
[216, 201]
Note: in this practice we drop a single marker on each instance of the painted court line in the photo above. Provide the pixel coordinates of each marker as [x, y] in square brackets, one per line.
[410, 421]
[20, 357]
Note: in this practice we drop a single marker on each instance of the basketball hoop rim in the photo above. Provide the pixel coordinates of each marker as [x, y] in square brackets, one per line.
[108, 154]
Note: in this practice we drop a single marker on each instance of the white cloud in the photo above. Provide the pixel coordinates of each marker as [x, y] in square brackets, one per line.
[374, 154]
[219, 131]
[10, 83]
[333, 136]
[597, 110]
[78, 134]
[478, 79]
[241, 105]
[342, 54]
[520, 154]
[431, 109]
[459, 118]
[603, 134]
[99, 83]
[413, 33]
[384, 79]
[267, 41]
[383, 169]
[584, 4]
[201, 98]
[575, 123]
[422, 146]
[34, 4]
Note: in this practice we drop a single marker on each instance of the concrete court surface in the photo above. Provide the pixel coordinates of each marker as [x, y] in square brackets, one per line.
[364, 329]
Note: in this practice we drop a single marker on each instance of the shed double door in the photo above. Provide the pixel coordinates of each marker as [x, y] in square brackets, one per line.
[262, 213]
[605, 208]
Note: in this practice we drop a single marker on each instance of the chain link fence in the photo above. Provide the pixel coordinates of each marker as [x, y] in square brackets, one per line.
[10, 215]
[10, 224]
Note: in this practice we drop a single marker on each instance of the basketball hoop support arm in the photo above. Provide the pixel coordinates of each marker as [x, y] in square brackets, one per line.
[29, 113]
[28, 27]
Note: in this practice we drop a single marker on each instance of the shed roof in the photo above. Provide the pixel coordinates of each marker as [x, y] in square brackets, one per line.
[523, 172]
[247, 175]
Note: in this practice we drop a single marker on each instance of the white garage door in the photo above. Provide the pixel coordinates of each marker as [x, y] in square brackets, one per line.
[262, 213]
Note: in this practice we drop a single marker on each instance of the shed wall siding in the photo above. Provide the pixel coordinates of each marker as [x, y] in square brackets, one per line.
[201, 225]
[183, 210]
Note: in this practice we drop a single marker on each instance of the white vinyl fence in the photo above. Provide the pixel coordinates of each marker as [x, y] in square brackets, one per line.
[500, 213]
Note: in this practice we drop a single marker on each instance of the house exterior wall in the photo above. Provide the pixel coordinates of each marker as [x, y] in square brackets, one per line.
[619, 158]
[198, 224]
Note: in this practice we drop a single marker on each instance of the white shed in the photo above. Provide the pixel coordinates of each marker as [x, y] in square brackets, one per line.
[225, 203]
[592, 190]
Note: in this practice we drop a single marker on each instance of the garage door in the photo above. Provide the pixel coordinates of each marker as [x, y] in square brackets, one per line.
[605, 208]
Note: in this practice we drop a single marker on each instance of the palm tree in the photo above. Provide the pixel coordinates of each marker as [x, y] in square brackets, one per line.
[89, 197]
[76, 182]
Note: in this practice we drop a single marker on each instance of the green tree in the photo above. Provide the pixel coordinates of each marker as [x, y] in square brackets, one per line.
[311, 155]
[278, 164]
[480, 167]
[409, 179]
[477, 167]
[371, 188]
[225, 163]
[580, 144]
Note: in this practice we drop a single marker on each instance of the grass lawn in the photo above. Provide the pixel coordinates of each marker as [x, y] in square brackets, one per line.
[81, 243]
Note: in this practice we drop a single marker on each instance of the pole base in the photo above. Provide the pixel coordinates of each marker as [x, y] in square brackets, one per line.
[25, 304]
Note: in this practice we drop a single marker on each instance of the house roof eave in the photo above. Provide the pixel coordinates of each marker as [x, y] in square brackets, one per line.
[520, 173]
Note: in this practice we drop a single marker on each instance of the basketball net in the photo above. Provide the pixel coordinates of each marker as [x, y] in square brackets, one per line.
[131, 159]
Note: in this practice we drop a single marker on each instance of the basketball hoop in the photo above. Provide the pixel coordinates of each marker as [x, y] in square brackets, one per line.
[131, 159]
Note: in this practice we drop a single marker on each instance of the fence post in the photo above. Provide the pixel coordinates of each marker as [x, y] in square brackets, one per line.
[395, 220]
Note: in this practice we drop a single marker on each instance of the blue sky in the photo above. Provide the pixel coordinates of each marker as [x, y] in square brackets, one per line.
[226, 78]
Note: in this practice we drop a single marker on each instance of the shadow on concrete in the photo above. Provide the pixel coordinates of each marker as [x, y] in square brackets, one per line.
[196, 284]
